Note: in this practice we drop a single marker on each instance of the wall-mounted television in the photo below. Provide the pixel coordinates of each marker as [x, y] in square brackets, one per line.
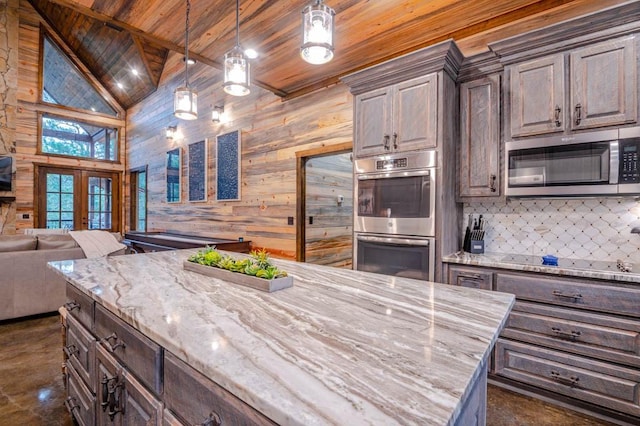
[5, 173]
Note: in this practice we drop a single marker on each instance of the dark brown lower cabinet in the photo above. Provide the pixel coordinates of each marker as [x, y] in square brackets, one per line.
[577, 339]
[117, 376]
[121, 399]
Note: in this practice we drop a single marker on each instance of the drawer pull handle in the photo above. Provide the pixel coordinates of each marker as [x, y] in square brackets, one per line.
[114, 337]
[576, 296]
[68, 403]
[386, 143]
[70, 306]
[71, 350]
[395, 140]
[569, 381]
[470, 276]
[114, 400]
[212, 420]
[573, 334]
[106, 390]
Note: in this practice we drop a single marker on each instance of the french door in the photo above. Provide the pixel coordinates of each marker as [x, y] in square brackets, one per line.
[77, 199]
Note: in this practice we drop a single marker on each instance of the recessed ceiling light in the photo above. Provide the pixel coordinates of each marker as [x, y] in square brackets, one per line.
[251, 53]
[191, 61]
[134, 72]
[120, 86]
[93, 109]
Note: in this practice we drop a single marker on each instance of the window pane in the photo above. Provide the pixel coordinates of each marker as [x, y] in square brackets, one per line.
[75, 138]
[53, 216]
[53, 202]
[53, 183]
[67, 183]
[63, 82]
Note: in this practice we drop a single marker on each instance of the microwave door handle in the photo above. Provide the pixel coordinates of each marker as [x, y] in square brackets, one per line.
[614, 162]
[403, 241]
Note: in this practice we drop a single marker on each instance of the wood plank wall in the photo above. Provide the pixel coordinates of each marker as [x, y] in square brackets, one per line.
[271, 133]
[26, 134]
[329, 239]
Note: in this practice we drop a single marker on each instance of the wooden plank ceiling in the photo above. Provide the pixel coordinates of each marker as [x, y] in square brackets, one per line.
[113, 36]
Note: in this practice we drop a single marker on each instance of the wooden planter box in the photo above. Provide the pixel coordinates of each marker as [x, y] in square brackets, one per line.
[240, 278]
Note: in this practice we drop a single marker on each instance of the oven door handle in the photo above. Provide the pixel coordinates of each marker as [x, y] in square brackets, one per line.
[369, 176]
[401, 241]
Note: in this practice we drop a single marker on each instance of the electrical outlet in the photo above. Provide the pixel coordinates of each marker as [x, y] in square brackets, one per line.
[290, 220]
[25, 215]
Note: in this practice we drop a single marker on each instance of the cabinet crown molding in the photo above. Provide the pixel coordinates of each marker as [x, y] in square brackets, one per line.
[445, 56]
[599, 26]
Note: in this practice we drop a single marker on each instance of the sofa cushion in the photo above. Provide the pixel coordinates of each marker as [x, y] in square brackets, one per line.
[53, 242]
[17, 243]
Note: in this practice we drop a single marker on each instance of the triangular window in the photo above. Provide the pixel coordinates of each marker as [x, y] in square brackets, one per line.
[63, 84]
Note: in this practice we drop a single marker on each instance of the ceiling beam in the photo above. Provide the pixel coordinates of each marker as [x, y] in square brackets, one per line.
[136, 32]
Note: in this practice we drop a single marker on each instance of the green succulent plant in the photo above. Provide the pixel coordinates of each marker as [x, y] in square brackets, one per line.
[258, 264]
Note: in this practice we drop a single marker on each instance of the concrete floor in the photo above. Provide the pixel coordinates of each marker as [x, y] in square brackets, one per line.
[32, 391]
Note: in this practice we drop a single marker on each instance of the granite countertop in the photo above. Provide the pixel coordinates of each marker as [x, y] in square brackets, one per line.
[339, 346]
[566, 267]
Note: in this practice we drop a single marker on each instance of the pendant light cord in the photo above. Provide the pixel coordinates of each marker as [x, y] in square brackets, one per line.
[238, 23]
[186, 46]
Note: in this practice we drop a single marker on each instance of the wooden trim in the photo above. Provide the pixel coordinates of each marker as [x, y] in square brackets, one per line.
[46, 29]
[145, 60]
[73, 114]
[328, 150]
[302, 157]
[40, 134]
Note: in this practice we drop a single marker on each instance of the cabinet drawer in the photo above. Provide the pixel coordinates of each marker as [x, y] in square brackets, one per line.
[580, 294]
[142, 356]
[470, 277]
[203, 397]
[80, 401]
[80, 306]
[597, 382]
[587, 333]
[81, 350]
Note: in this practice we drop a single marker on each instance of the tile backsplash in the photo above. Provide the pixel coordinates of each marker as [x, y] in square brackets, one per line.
[595, 229]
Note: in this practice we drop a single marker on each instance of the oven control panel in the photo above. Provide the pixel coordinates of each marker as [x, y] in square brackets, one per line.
[391, 163]
[629, 172]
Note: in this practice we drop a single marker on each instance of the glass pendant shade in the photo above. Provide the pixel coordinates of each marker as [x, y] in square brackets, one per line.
[185, 104]
[185, 100]
[236, 72]
[317, 33]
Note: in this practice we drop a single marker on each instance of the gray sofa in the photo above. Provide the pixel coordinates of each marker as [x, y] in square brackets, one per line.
[27, 285]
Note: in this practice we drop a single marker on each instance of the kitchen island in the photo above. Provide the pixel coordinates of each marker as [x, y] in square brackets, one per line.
[338, 347]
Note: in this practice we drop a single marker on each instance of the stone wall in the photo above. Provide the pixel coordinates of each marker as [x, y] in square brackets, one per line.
[8, 97]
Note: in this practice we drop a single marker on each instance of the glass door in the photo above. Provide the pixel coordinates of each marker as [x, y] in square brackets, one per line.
[78, 199]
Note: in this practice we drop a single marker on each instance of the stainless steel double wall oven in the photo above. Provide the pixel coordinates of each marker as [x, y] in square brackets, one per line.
[394, 214]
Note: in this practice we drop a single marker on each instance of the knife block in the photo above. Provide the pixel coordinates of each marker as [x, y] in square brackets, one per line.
[477, 246]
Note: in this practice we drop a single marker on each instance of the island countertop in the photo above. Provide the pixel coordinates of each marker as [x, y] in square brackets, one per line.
[340, 346]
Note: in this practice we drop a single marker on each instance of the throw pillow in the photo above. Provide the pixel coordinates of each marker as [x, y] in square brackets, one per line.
[17, 243]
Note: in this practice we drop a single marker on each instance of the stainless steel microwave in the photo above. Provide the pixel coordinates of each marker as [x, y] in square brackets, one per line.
[596, 163]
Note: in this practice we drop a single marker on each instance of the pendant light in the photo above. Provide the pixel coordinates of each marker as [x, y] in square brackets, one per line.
[185, 103]
[236, 65]
[317, 33]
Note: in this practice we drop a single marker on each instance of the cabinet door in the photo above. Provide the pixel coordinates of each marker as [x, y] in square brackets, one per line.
[415, 114]
[537, 96]
[121, 399]
[373, 122]
[604, 84]
[480, 137]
